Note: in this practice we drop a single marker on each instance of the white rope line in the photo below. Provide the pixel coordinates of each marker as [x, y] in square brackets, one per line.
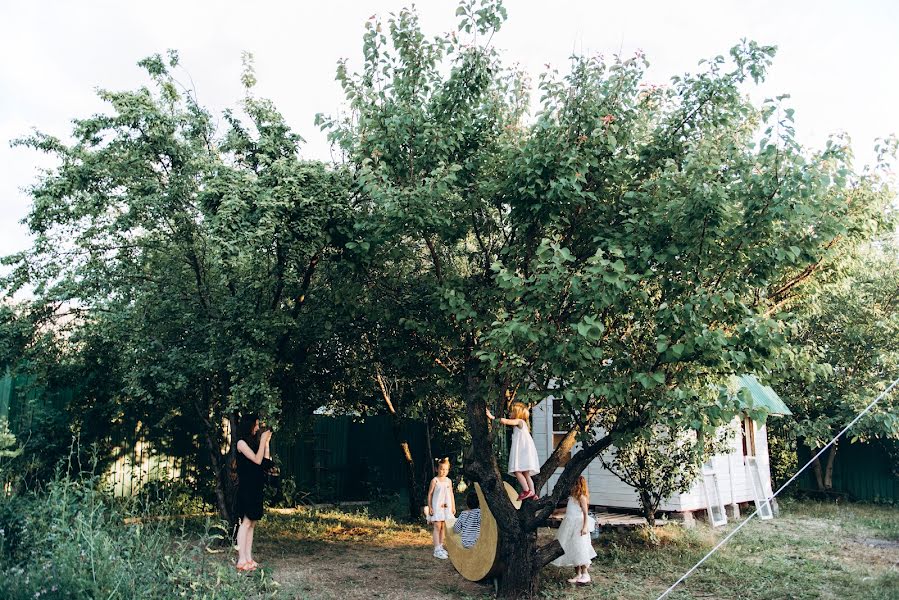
[789, 481]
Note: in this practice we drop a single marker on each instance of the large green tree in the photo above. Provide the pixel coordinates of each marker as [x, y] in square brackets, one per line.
[181, 257]
[627, 250]
[850, 331]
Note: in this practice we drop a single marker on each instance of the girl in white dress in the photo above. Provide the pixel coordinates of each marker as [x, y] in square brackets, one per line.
[441, 505]
[523, 460]
[574, 533]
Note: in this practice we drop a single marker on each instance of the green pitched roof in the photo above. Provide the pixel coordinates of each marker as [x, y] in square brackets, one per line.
[761, 396]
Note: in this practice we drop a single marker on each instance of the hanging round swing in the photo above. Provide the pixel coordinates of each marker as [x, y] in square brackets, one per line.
[481, 560]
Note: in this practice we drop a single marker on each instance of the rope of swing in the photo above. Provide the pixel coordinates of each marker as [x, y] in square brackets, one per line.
[789, 481]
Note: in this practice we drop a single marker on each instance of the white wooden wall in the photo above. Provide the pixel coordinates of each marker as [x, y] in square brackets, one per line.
[607, 490]
[734, 484]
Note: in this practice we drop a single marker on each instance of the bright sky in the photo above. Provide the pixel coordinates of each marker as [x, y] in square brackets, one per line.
[836, 59]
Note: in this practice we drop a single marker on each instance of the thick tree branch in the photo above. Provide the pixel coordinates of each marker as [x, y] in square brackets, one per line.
[384, 391]
[438, 269]
[572, 471]
[562, 448]
[547, 553]
[804, 274]
[304, 287]
[552, 462]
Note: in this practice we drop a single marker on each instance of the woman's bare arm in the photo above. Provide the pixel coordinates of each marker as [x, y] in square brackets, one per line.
[256, 457]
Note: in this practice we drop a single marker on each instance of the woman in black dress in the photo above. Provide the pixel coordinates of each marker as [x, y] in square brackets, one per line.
[253, 458]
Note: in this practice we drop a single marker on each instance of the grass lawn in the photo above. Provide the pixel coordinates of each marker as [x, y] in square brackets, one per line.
[812, 551]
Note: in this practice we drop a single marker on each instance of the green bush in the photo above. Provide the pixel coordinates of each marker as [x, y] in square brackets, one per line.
[72, 540]
[165, 496]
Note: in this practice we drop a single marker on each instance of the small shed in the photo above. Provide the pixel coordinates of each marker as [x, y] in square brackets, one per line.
[739, 476]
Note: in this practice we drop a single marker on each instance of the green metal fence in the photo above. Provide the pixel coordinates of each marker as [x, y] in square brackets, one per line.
[330, 457]
[134, 460]
[351, 458]
[864, 471]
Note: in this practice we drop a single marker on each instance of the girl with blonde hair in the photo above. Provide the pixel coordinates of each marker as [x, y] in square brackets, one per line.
[441, 506]
[523, 460]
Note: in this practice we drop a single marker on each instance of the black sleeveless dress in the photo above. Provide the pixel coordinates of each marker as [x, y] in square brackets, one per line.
[250, 485]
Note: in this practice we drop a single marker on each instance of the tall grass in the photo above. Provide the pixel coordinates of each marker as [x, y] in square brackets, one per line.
[71, 540]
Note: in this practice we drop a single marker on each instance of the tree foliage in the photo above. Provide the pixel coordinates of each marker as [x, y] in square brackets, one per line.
[181, 258]
[659, 463]
[636, 245]
[850, 331]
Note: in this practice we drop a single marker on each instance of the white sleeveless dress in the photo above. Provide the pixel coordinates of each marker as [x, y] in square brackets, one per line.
[578, 548]
[523, 453]
[441, 495]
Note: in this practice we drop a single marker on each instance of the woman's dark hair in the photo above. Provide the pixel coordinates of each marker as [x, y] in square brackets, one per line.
[245, 429]
[472, 500]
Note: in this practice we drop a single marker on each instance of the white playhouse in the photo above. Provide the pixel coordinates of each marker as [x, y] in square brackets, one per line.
[740, 476]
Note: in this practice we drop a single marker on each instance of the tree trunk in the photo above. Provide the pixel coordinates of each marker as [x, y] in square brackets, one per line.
[819, 475]
[521, 573]
[828, 471]
[224, 467]
[428, 439]
[221, 471]
[517, 548]
[649, 509]
[415, 496]
[518, 553]
[520, 559]
[416, 500]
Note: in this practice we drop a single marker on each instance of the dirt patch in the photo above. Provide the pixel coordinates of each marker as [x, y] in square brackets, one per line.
[872, 552]
[875, 543]
[346, 569]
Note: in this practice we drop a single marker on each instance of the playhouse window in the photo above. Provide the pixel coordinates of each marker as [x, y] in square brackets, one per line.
[748, 431]
[561, 425]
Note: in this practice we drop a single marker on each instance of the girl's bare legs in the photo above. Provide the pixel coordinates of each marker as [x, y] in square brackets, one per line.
[530, 482]
[519, 475]
[583, 576]
[436, 534]
[443, 533]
